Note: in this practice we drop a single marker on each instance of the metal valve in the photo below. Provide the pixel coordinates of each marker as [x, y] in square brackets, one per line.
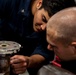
[6, 49]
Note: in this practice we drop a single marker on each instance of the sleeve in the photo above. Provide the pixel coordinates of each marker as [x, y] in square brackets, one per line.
[41, 48]
[43, 51]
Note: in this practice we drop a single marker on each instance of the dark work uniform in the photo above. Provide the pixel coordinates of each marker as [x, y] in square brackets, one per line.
[16, 25]
[69, 65]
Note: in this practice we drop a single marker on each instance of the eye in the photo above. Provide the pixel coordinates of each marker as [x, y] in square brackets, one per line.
[44, 19]
[53, 47]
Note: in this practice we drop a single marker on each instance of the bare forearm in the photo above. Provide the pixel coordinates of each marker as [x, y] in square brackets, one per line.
[35, 61]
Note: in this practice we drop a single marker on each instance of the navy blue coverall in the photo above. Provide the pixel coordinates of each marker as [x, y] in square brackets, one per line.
[16, 25]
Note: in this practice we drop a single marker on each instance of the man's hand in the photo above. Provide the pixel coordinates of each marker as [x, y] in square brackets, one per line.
[19, 63]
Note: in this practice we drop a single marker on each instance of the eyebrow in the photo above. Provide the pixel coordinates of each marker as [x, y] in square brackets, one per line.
[53, 45]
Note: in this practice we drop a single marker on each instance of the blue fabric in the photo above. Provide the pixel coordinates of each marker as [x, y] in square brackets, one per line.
[16, 25]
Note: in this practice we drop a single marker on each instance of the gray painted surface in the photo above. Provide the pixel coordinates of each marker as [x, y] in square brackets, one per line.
[53, 70]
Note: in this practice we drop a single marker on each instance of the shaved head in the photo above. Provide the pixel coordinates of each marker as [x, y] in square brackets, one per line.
[61, 34]
[62, 25]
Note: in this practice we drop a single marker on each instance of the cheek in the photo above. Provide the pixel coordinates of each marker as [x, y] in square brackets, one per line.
[34, 19]
[59, 51]
[38, 18]
[60, 54]
[65, 52]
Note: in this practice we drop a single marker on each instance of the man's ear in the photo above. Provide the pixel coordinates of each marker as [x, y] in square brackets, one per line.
[74, 46]
[39, 4]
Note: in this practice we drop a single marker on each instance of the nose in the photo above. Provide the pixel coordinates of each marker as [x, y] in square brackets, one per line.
[49, 47]
[43, 27]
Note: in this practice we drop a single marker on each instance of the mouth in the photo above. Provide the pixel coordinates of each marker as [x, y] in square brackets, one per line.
[38, 29]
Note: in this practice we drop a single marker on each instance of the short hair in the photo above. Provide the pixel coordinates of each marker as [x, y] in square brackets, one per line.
[53, 6]
[64, 23]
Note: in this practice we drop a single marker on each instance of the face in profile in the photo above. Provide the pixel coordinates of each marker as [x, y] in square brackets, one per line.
[61, 50]
[40, 19]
